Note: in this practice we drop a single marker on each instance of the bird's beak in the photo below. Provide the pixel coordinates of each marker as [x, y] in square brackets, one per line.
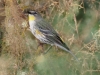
[26, 12]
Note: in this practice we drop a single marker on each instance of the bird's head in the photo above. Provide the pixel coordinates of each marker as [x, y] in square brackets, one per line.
[33, 15]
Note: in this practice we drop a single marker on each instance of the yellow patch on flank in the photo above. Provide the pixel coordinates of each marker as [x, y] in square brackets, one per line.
[38, 32]
[31, 18]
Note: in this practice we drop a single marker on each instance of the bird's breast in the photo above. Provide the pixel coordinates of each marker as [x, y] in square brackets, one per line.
[39, 35]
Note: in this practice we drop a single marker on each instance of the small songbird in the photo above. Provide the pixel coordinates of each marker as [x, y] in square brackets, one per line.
[44, 32]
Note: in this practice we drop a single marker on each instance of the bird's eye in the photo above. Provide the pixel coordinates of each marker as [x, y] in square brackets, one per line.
[34, 12]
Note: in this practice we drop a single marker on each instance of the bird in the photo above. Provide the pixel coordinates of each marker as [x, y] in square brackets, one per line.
[44, 32]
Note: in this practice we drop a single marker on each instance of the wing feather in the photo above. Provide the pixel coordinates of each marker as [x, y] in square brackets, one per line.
[49, 32]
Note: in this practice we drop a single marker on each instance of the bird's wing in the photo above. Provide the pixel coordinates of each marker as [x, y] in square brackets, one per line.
[46, 28]
[49, 32]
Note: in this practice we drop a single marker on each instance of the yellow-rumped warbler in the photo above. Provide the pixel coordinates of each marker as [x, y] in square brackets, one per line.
[43, 31]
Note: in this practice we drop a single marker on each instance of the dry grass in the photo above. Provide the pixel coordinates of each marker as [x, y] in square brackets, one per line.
[20, 47]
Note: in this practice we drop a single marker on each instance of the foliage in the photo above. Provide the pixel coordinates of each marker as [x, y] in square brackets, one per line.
[77, 22]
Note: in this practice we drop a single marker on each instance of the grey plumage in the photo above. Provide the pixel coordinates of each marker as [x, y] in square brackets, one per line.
[51, 36]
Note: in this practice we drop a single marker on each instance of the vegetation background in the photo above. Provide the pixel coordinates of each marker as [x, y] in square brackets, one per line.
[77, 22]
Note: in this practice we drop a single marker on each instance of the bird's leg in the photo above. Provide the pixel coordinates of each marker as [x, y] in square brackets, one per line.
[56, 48]
[47, 50]
[40, 44]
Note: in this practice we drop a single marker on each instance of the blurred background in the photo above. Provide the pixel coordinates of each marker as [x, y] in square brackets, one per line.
[77, 22]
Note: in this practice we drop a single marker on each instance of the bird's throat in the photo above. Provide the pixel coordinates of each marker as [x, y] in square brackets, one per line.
[31, 18]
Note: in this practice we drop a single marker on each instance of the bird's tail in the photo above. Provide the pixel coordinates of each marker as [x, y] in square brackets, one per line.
[64, 47]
